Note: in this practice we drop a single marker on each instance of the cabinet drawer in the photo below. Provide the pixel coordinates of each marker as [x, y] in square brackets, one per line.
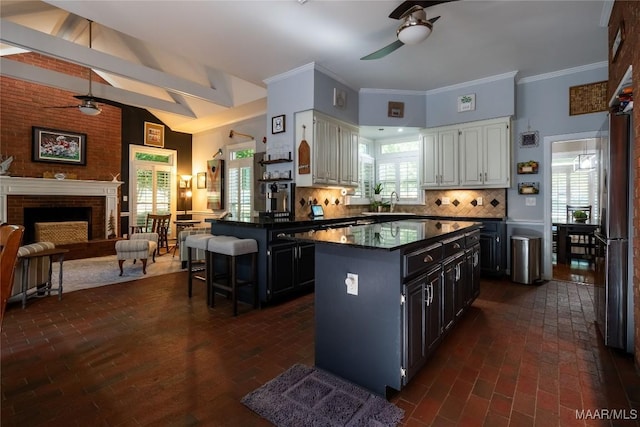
[421, 259]
[472, 238]
[453, 245]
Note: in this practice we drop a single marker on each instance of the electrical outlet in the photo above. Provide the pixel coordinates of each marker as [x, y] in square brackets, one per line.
[530, 201]
[479, 200]
[125, 198]
[352, 283]
[445, 201]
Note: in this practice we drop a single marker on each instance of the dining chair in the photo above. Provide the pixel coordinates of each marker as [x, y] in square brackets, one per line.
[159, 223]
[580, 243]
[10, 240]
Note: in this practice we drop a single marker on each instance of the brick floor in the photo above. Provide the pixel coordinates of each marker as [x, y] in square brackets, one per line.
[142, 353]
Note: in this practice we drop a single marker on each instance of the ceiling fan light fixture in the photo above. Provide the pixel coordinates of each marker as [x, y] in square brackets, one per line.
[414, 31]
[89, 108]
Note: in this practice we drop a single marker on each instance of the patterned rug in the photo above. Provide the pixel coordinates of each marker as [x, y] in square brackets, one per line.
[304, 396]
[93, 272]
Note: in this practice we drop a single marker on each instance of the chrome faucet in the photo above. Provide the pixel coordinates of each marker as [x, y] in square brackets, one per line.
[393, 200]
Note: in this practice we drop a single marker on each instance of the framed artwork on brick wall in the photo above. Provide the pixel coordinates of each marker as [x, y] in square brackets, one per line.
[59, 146]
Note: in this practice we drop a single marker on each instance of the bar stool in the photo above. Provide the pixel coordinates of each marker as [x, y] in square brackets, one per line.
[196, 241]
[232, 248]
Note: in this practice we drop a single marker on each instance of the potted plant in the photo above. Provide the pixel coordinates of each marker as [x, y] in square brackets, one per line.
[580, 216]
[377, 192]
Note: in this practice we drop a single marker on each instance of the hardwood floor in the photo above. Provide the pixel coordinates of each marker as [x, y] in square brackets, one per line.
[142, 353]
[579, 271]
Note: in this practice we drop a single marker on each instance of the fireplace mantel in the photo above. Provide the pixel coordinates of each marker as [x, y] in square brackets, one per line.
[58, 187]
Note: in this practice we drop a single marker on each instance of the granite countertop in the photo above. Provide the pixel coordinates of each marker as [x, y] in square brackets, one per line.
[327, 220]
[389, 235]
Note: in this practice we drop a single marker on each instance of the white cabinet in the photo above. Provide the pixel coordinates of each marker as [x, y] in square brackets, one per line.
[440, 158]
[485, 153]
[333, 151]
[348, 156]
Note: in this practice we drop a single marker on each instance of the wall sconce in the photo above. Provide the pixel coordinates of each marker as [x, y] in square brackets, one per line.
[185, 190]
[218, 153]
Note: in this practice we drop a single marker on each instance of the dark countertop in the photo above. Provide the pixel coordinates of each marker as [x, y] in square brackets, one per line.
[389, 235]
[270, 223]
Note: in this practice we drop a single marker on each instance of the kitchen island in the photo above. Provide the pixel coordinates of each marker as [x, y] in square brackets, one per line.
[386, 294]
[285, 268]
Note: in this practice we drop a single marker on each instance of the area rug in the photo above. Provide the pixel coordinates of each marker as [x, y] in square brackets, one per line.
[304, 396]
[93, 272]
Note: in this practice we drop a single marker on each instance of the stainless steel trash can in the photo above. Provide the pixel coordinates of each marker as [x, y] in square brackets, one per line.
[526, 255]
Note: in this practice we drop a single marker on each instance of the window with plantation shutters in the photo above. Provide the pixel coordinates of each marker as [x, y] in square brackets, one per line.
[398, 170]
[240, 180]
[366, 175]
[569, 187]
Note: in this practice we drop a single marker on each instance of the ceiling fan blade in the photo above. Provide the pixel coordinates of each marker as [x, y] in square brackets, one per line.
[98, 100]
[432, 20]
[381, 53]
[400, 11]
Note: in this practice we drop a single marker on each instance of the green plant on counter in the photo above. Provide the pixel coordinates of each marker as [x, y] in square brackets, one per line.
[373, 207]
[377, 189]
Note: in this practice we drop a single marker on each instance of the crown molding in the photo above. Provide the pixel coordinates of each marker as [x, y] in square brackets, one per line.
[566, 71]
[287, 74]
[392, 91]
[510, 74]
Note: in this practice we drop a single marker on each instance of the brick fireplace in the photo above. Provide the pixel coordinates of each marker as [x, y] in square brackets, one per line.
[96, 200]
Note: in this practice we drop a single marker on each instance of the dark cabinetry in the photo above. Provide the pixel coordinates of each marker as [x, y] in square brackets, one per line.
[447, 283]
[291, 267]
[493, 255]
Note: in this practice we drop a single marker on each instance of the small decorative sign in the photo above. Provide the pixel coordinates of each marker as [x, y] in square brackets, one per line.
[467, 102]
[529, 188]
[529, 139]
[528, 167]
[395, 109]
[201, 180]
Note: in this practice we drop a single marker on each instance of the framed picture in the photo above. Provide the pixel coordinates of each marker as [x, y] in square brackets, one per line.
[153, 134]
[617, 42]
[277, 124]
[395, 109]
[339, 98]
[467, 102]
[59, 146]
[201, 180]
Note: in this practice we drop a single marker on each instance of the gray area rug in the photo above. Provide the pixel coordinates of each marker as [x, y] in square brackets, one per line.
[304, 396]
[93, 272]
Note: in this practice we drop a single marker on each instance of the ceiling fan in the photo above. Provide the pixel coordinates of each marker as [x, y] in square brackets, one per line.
[414, 29]
[89, 105]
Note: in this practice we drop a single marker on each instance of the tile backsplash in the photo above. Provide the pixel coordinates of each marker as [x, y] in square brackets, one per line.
[462, 203]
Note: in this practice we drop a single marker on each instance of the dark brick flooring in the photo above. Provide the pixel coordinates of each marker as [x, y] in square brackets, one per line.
[141, 353]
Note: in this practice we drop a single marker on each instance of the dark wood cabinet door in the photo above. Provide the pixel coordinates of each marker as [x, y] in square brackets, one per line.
[414, 326]
[448, 293]
[306, 264]
[489, 254]
[282, 268]
[475, 272]
[433, 325]
[461, 285]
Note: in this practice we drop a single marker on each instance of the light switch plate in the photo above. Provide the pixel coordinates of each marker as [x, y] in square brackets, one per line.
[530, 201]
[352, 284]
[445, 201]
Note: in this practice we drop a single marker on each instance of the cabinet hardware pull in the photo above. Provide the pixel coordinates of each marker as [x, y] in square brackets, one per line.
[485, 176]
[428, 258]
[456, 245]
[426, 299]
[431, 293]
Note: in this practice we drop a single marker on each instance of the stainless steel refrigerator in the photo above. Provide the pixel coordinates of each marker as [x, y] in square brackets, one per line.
[613, 295]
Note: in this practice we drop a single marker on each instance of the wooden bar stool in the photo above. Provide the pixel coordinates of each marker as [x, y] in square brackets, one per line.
[233, 248]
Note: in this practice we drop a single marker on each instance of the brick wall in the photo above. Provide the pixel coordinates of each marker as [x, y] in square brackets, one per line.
[629, 54]
[22, 105]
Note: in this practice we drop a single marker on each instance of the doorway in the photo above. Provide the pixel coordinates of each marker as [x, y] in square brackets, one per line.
[152, 183]
[573, 180]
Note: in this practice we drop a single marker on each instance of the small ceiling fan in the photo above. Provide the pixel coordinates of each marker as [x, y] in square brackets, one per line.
[89, 105]
[414, 29]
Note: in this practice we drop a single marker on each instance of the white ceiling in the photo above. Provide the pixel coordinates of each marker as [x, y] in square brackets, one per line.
[234, 46]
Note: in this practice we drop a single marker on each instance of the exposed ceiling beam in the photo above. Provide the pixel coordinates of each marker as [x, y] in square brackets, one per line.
[36, 41]
[21, 71]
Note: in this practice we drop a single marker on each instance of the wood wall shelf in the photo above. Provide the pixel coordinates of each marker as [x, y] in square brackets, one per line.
[275, 161]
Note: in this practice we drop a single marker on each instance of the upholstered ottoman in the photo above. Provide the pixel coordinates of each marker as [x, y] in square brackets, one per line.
[139, 246]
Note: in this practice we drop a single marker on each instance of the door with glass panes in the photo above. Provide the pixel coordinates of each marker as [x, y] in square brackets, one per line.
[240, 180]
[151, 181]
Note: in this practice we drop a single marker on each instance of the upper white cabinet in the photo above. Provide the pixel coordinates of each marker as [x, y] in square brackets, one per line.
[440, 155]
[333, 151]
[471, 155]
[485, 154]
